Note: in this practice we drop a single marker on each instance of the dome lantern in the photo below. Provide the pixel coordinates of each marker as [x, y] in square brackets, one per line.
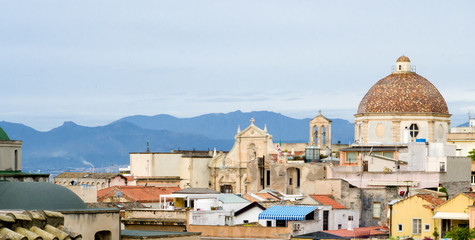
[403, 65]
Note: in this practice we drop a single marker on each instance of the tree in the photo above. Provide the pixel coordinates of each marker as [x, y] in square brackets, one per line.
[471, 154]
[460, 233]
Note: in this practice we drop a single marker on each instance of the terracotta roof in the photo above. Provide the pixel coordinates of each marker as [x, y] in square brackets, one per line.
[431, 199]
[361, 232]
[470, 194]
[88, 175]
[403, 59]
[403, 93]
[130, 178]
[327, 200]
[267, 196]
[143, 194]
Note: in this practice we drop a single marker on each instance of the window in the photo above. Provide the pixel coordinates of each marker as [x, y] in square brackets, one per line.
[226, 189]
[281, 223]
[442, 167]
[350, 218]
[414, 130]
[351, 157]
[290, 181]
[339, 226]
[268, 178]
[473, 179]
[388, 154]
[269, 224]
[245, 221]
[426, 227]
[298, 177]
[399, 67]
[416, 226]
[325, 219]
[376, 210]
[399, 227]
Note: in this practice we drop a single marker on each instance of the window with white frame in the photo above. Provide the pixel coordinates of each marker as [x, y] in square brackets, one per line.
[416, 226]
[399, 227]
[426, 227]
[376, 210]
[473, 179]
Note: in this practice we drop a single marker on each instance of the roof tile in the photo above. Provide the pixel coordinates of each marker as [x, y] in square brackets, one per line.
[327, 200]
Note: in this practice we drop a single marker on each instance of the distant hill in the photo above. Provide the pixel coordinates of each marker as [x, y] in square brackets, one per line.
[224, 125]
[72, 146]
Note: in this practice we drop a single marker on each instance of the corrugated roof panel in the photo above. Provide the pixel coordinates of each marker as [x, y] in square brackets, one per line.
[291, 213]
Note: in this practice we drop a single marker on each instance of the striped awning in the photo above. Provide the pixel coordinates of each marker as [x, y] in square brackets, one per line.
[292, 213]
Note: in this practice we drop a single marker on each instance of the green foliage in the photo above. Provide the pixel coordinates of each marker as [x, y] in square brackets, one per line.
[460, 233]
[436, 233]
[471, 154]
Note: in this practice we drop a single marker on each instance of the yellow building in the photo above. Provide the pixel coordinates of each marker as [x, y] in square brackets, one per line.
[412, 217]
[454, 212]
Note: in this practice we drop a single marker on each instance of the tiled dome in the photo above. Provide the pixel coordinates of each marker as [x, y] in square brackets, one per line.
[403, 93]
[403, 59]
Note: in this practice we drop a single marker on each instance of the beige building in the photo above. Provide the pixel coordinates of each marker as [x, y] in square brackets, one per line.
[177, 168]
[229, 171]
[255, 163]
[463, 138]
[10, 162]
[88, 179]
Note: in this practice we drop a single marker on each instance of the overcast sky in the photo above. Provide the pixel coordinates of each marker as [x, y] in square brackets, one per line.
[93, 62]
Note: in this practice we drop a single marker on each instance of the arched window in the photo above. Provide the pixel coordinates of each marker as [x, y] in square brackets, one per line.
[324, 137]
[16, 161]
[103, 235]
[315, 134]
[252, 151]
[414, 130]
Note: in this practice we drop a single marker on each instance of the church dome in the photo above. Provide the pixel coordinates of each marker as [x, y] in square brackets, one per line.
[38, 196]
[403, 91]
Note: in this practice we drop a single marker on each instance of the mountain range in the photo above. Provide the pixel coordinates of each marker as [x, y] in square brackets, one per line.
[72, 147]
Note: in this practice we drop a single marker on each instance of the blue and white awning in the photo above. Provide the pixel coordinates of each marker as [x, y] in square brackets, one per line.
[291, 213]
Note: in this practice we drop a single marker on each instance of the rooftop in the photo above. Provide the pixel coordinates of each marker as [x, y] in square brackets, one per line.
[142, 194]
[196, 191]
[327, 200]
[88, 175]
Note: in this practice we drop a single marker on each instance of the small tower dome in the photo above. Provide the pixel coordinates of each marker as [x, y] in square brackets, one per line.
[403, 65]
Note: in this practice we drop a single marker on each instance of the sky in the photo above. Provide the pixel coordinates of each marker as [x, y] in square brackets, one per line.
[93, 62]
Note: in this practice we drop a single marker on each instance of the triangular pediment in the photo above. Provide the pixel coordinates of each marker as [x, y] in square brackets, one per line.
[252, 131]
[320, 118]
